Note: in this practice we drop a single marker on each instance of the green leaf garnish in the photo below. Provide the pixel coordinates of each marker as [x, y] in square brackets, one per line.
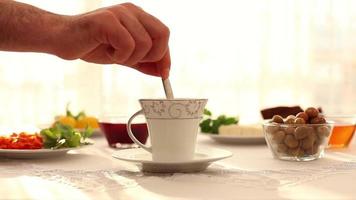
[207, 112]
[63, 136]
[81, 114]
[211, 125]
[87, 132]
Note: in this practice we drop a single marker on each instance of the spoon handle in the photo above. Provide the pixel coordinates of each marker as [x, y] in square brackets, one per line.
[168, 89]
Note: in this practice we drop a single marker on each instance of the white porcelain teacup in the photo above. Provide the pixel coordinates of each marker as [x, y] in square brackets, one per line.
[173, 126]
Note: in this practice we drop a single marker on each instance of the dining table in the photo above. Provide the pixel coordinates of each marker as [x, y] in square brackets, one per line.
[251, 173]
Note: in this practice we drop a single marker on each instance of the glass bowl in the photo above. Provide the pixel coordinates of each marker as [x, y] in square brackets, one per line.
[297, 142]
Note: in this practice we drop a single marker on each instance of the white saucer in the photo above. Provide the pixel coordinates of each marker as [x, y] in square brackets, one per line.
[38, 153]
[33, 153]
[203, 158]
[238, 139]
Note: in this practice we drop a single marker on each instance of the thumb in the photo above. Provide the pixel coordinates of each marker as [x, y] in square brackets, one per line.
[164, 65]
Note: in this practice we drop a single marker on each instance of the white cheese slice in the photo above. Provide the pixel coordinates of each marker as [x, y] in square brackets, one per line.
[241, 130]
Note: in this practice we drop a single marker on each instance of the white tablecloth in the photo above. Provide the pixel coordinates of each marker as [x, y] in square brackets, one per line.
[91, 173]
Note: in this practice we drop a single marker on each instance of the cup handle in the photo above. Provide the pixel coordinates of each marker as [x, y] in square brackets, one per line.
[132, 136]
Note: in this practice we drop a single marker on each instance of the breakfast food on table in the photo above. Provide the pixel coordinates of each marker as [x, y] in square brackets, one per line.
[254, 130]
[283, 111]
[79, 121]
[87, 121]
[21, 141]
[211, 125]
[63, 136]
[302, 136]
[228, 126]
[58, 136]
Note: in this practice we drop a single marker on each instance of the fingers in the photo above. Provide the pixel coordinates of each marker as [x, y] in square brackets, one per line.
[160, 68]
[118, 37]
[164, 65]
[159, 34]
[101, 55]
[142, 39]
[150, 35]
[148, 68]
[129, 36]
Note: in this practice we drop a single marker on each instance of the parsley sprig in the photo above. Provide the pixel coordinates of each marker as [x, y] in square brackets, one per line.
[211, 125]
[62, 136]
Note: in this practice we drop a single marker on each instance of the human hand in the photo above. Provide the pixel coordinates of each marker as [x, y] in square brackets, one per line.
[123, 34]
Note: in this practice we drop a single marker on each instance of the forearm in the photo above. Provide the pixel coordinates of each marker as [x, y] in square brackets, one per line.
[27, 28]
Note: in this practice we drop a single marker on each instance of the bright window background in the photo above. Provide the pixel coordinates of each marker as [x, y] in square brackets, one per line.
[242, 55]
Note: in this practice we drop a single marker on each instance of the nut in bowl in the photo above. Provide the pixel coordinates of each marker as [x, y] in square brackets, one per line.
[301, 138]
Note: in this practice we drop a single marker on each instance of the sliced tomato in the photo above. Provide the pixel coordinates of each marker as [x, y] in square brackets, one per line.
[21, 141]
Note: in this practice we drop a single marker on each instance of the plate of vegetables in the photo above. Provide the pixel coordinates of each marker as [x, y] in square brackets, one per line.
[49, 142]
[226, 129]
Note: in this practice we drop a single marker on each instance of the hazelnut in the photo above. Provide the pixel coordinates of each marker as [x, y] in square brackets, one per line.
[303, 115]
[279, 136]
[307, 143]
[318, 120]
[282, 148]
[313, 150]
[290, 141]
[299, 121]
[323, 131]
[273, 127]
[289, 130]
[312, 112]
[290, 119]
[309, 151]
[296, 152]
[310, 130]
[277, 119]
[321, 141]
[291, 116]
[301, 132]
[312, 135]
